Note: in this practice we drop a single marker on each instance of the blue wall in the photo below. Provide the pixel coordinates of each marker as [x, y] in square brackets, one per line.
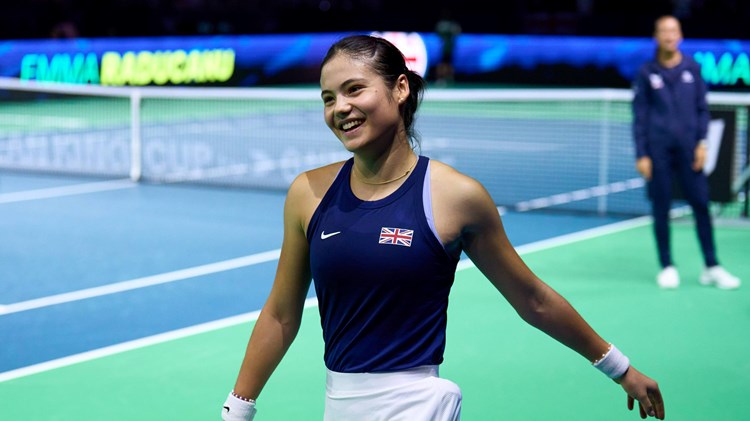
[294, 59]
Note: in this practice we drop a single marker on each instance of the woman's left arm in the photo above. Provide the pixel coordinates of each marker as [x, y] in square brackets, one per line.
[484, 240]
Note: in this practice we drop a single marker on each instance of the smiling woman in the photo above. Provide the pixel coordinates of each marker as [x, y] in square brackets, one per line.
[401, 221]
[372, 111]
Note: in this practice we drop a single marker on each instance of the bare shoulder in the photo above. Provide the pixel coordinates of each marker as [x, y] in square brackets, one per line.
[307, 190]
[316, 182]
[460, 204]
[453, 187]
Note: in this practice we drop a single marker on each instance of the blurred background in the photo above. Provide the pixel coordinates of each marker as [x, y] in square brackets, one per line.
[567, 43]
[465, 46]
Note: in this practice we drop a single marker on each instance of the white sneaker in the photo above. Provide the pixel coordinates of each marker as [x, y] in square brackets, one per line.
[717, 275]
[668, 278]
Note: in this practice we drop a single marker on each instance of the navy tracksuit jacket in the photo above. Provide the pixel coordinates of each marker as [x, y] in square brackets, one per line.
[670, 118]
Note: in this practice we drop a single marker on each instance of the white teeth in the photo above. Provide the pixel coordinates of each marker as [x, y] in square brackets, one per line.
[351, 124]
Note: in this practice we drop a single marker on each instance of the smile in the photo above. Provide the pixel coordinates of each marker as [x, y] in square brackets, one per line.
[351, 124]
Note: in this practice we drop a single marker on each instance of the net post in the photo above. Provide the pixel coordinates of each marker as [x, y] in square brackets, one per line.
[135, 135]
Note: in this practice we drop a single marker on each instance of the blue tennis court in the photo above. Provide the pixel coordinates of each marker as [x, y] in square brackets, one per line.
[93, 263]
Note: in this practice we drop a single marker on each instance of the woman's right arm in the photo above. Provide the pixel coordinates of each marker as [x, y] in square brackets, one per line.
[281, 315]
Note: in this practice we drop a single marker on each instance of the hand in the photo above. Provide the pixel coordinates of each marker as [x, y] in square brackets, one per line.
[645, 390]
[643, 165]
[700, 157]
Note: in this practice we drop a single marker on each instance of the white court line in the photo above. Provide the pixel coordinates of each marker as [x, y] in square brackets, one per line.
[136, 344]
[572, 238]
[311, 302]
[61, 191]
[582, 194]
[272, 255]
[144, 282]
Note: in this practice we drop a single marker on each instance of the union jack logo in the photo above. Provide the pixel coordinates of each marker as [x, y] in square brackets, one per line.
[396, 236]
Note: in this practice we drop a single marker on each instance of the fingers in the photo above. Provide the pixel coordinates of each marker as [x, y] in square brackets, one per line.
[643, 166]
[647, 408]
[644, 390]
[653, 405]
[647, 173]
[700, 159]
[644, 171]
[631, 404]
[650, 406]
[658, 404]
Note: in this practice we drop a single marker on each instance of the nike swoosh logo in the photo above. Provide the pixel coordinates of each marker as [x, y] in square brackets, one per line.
[323, 234]
[227, 408]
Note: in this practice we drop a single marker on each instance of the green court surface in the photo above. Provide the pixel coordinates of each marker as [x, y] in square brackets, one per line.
[694, 341]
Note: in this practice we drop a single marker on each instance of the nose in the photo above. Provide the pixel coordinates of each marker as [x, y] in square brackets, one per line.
[342, 106]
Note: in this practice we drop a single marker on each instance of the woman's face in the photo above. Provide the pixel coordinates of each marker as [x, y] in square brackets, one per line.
[668, 34]
[358, 106]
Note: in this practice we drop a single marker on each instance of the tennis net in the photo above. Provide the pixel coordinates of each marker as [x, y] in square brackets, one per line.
[561, 149]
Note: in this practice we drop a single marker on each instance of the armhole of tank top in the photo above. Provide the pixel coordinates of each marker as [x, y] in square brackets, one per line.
[427, 204]
[316, 214]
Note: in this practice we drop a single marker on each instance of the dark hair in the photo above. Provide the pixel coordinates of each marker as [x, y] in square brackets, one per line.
[387, 61]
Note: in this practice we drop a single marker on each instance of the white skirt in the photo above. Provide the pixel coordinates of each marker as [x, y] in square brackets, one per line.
[417, 394]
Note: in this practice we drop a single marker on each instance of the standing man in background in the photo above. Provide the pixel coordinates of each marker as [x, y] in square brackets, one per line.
[448, 30]
[670, 125]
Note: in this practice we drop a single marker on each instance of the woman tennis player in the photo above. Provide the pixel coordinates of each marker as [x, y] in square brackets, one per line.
[381, 234]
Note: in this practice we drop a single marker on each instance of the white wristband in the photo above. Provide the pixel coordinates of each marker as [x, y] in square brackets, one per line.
[236, 409]
[613, 364]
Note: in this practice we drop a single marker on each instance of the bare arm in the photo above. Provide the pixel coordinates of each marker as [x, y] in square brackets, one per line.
[281, 315]
[469, 211]
[486, 243]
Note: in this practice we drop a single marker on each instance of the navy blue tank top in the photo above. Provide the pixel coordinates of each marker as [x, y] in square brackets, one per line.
[381, 275]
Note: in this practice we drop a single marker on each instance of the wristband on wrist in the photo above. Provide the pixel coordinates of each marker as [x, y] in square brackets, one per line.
[238, 408]
[614, 364]
[242, 398]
